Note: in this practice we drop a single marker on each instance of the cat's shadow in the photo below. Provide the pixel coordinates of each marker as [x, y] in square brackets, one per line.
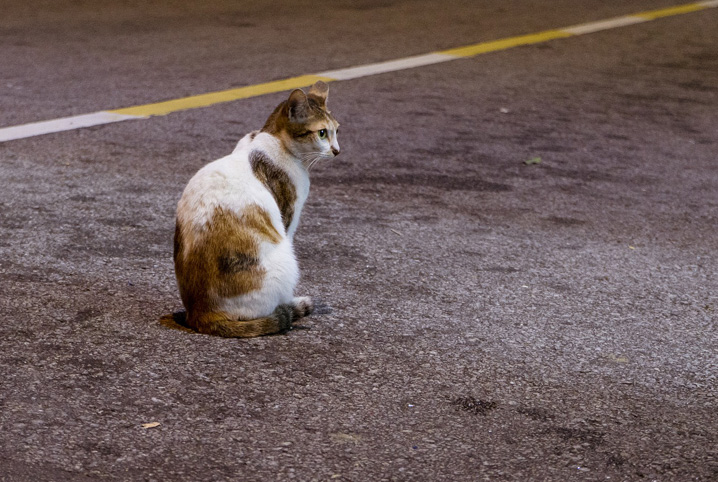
[176, 321]
[321, 308]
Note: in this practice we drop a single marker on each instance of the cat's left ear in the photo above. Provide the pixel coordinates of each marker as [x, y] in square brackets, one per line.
[320, 91]
[298, 106]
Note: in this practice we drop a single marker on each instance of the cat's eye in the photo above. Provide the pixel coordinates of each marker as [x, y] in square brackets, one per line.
[322, 133]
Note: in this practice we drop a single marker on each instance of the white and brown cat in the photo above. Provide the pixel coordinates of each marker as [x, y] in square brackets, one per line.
[236, 219]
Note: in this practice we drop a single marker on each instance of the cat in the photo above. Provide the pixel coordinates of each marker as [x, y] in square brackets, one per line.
[233, 253]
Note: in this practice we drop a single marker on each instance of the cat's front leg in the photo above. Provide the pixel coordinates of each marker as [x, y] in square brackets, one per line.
[302, 306]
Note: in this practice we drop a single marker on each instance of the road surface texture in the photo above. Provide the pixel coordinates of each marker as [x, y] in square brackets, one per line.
[481, 318]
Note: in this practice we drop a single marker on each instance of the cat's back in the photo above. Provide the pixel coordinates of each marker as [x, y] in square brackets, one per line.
[228, 183]
[259, 173]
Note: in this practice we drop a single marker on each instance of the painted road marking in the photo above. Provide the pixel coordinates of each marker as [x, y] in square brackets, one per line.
[679, 10]
[62, 124]
[389, 66]
[507, 43]
[212, 98]
[204, 100]
[605, 25]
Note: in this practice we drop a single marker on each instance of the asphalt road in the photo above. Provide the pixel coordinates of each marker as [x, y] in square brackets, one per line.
[481, 318]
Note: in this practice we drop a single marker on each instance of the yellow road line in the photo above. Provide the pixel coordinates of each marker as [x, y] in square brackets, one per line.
[507, 43]
[211, 98]
[671, 11]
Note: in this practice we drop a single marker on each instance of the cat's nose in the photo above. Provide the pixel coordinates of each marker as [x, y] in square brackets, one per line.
[336, 151]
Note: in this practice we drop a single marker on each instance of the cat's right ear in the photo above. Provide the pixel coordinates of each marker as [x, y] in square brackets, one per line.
[298, 106]
[319, 91]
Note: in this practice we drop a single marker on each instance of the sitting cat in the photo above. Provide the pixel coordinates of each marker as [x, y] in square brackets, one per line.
[236, 219]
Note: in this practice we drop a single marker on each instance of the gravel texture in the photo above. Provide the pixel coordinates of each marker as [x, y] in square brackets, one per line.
[480, 318]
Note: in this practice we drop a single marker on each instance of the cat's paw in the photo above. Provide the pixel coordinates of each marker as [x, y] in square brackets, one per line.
[303, 306]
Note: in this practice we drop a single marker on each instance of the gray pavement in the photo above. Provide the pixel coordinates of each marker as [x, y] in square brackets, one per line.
[481, 319]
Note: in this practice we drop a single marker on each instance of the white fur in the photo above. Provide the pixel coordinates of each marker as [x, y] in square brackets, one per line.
[230, 183]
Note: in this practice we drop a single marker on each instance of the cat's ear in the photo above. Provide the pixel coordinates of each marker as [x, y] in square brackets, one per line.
[298, 106]
[320, 91]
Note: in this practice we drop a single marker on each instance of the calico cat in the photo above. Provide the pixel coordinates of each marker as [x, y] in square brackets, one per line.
[236, 219]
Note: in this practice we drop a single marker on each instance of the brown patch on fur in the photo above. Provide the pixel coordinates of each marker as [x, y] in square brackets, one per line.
[278, 122]
[258, 220]
[278, 183]
[221, 261]
[178, 242]
[206, 271]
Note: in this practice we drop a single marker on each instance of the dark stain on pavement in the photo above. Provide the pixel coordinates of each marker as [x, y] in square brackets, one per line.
[473, 405]
[537, 414]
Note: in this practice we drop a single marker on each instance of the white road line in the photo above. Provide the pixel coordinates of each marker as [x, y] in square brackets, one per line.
[591, 27]
[62, 124]
[388, 66]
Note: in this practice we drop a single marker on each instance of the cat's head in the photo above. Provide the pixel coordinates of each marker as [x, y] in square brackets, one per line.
[305, 126]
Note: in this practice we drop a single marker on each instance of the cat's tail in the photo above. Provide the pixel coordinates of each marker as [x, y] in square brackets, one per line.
[218, 324]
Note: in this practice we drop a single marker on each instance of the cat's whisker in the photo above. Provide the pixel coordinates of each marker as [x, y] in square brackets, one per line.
[318, 158]
[311, 158]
